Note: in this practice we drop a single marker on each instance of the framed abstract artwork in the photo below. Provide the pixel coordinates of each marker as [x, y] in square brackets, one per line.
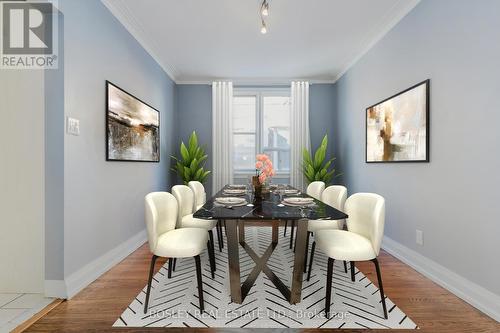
[397, 128]
[132, 127]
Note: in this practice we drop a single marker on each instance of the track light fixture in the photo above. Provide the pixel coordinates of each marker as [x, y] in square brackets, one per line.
[264, 13]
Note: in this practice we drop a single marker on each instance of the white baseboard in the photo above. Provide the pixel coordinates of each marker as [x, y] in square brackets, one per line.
[90, 272]
[477, 296]
[55, 288]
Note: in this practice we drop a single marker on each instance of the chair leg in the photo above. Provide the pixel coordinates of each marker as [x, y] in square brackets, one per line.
[345, 266]
[173, 265]
[307, 252]
[200, 282]
[380, 287]
[212, 250]
[286, 225]
[170, 267]
[210, 259]
[150, 279]
[219, 235]
[329, 275]
[353, 278]
[311, 261]
[291, 235]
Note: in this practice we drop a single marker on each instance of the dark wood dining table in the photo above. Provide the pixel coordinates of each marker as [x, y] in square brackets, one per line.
[267, 209]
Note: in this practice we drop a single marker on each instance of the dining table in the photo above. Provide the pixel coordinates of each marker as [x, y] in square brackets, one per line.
[269, 208]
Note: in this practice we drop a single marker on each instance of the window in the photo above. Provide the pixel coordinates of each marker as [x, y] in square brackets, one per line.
[261, 124]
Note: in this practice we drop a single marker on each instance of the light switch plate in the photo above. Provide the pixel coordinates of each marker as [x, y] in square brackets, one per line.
[419, 237]
[73, 126]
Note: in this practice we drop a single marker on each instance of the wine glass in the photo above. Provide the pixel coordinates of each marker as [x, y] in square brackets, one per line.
[250, 187]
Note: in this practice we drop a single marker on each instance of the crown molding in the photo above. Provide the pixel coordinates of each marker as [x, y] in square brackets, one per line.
[135, 28]
[256, 81]
[389, 21]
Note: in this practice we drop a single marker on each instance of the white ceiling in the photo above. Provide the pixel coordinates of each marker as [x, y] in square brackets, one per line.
[197, 41]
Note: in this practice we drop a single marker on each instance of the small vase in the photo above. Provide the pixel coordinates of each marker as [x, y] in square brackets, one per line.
[257, 187]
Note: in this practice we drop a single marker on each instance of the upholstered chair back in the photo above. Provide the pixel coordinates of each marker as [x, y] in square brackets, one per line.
[366, 217]
[200, 196]
[315, 189]
[335, 196]
[185, 200]
[160, 215]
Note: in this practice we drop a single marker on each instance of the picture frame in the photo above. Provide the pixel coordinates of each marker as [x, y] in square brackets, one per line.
[132, 127]
[397, 128]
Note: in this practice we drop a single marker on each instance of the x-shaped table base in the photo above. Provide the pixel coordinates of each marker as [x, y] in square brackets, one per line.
[237, 237]
[262, 267]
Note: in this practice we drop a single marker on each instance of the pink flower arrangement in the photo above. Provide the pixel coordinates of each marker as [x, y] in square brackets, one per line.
[264, 167]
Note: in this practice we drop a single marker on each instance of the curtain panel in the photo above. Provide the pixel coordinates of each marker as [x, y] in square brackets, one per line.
[222, 134]
[299, 131]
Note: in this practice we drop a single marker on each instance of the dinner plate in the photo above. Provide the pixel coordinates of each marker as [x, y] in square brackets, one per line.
[298, 201]
[230, 201]
[237, 186]
[291, 191]
[297, 205]
[235, 191]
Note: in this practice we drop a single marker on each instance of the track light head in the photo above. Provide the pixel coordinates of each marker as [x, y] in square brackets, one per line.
[263, 28]
[264, 10]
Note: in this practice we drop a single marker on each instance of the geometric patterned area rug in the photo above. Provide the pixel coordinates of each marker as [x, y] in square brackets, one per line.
[174, 302]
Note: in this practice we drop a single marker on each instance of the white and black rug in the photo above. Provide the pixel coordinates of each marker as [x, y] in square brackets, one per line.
[174, 302]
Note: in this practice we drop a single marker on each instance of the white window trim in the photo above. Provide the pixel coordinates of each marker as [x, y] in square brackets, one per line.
[259, 93]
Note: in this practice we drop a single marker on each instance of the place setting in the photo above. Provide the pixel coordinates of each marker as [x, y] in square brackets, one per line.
[235, 191]
[230, 202]
[300, 202]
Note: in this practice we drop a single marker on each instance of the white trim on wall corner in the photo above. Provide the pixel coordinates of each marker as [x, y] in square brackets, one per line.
[477, 296]
[93, 270]
[55, 288]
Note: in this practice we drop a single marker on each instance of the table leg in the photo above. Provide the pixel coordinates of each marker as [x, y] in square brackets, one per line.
[275, 231]
[298, 266]
[234, 260]
[241, 231]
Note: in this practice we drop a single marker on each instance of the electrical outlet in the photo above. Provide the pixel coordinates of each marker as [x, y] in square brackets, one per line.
[420, 237]
[73, 126]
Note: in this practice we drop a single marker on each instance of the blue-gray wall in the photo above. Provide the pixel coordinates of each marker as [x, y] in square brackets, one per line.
[54, 165]
[104, 201]
[194, 112]
[454, 198]
[322, 118]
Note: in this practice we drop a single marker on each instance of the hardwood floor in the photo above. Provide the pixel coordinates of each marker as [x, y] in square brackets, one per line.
[97, 307]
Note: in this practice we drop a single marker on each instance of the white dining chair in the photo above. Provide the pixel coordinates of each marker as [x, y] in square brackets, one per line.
[361, 241]
[314, 190]
[334, 196]
[185, 219]
[165, 241]
[200, 198]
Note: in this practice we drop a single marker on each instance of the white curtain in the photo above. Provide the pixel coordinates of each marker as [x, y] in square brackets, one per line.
[222, 130]
[299, 131]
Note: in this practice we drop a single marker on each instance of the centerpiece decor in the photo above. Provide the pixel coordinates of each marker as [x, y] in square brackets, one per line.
[263, 171]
